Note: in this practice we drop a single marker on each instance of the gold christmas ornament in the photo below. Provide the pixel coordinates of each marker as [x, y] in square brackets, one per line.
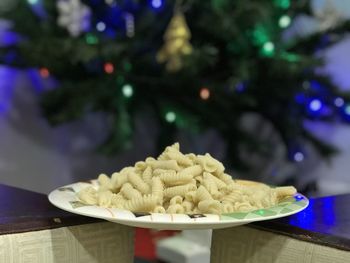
[176, 43]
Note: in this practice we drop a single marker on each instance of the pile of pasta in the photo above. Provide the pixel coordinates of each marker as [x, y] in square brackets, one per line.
[180, 183]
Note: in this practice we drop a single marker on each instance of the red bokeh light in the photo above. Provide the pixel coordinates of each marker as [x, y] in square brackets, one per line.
[204, 93]
[44, 72]
[109, 68]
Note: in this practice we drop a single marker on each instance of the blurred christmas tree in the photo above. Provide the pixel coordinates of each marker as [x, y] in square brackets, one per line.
[194, 64]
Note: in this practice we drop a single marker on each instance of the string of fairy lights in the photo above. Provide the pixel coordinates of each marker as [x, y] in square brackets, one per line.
[260, 36]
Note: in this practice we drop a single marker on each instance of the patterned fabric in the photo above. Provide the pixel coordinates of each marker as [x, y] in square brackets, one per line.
[244, 244]
[91, 243]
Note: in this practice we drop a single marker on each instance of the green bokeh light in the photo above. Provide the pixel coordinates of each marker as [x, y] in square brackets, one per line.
[91, 39]
[284, 21]
[127, 90]
[285, 4]
[347, 109]
[268, 49]
[32, 2]
[170, 116]
[260, 35]
[127, 66]
[290, 57]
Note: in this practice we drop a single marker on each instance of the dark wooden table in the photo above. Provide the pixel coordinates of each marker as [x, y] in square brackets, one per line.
[326, 221]
[23, 211]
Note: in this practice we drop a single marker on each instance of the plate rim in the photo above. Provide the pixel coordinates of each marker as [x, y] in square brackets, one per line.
[153, 224]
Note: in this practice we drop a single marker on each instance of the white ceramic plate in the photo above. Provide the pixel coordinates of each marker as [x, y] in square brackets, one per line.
[66, 199]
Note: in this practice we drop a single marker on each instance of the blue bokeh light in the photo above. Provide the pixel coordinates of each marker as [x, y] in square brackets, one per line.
[241, 87]
[156, 3]
[339, 102]
[100, 26]
[315, 105]
[298, 197]
[298, 157]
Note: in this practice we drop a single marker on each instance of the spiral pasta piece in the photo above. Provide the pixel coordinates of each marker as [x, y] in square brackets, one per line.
[178, 190]
[191, 196]
[144, 204]
[192, 171]
[262, 198]
[220, 169]
[284, 191]
[203, 194]
[103, 188]
[219, 183]
[179, 158]
[159, 172]
[129, 192]
[141, 166]
[118, 180]
[176, 200]
[138, 183]
[159, 209]
[191, 156]
[207, 163]
[127, 170]
[175, 178]
[88, 195]
[117, 201]
[210, 164]
[188, 206]
[157, 188]
[105, 198]
[148, 160]
[227, 179]
[147, 175]
[104, 180]
[226, 208]
[210, 206]
[199, 179]
[217, 195]
[166, 164]
[175, 147]
[175, 209]
[193, 181]
[210, 185]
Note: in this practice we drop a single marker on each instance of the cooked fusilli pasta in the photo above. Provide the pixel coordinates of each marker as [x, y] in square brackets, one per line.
[180, 183]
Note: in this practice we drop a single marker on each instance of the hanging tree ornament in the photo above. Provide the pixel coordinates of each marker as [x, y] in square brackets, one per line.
[74, 16]
[176, 42]
[328, 16]
[129, 24]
